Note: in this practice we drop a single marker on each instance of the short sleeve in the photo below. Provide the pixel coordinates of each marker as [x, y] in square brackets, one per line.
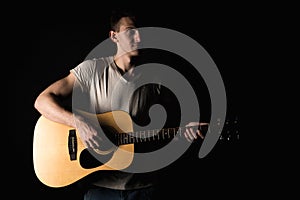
[84, 73]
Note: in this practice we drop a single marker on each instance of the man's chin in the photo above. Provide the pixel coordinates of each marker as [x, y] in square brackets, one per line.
[134, 52]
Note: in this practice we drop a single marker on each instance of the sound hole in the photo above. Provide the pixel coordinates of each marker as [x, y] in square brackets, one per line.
[88, 160]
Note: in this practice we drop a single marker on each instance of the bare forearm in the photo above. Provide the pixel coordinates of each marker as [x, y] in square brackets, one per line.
[50, 107]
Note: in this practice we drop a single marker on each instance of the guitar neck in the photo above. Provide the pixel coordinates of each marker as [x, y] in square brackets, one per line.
[153, 135]
[229, 132]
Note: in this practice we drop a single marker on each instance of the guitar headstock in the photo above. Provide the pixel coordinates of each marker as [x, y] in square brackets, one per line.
[230, 131]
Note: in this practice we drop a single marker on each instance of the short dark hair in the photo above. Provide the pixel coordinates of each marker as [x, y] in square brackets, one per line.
[117, 14]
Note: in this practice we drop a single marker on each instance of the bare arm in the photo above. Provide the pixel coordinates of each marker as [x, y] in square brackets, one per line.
[49, 104]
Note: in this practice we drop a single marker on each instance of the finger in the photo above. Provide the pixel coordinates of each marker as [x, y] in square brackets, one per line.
[95, 143]
[186, 135]
[204, 124]
[88, 144]
[91, 142]
[190, 134]
[193, 133]
[200, 134]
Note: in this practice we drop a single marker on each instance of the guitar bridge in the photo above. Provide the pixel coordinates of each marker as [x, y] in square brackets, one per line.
[72, 144]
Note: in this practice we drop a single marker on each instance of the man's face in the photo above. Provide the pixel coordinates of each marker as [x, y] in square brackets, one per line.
[128, 36]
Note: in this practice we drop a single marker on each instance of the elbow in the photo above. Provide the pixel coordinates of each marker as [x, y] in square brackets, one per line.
[37, 103]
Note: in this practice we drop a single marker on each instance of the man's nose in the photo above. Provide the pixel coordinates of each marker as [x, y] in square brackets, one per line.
[137, 37]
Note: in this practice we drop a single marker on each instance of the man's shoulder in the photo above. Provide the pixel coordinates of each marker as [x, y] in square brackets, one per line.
[97, 62]
[101, 61]
[98, 59]
[106, 59]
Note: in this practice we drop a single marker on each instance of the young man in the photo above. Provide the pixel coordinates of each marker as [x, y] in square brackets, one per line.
[97, 79]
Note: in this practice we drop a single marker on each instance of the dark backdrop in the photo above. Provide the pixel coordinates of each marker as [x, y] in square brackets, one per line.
[47, 44]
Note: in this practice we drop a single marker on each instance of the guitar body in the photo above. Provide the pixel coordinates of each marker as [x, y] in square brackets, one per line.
[51, 158]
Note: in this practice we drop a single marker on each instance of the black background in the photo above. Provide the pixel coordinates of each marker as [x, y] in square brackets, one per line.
[50, 40]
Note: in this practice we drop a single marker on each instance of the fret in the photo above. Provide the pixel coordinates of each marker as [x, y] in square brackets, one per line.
[179, 131]
[138, 136]
[153, 135]
[129, 138]
[166, 132]
[149, 135]
[136, 139]
[144, 136]
[157, 133]
[125, 138]
[174, 132]
[175, 135]
[133, 138]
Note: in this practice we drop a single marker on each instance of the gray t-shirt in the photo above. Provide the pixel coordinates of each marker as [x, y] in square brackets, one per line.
[104, 89]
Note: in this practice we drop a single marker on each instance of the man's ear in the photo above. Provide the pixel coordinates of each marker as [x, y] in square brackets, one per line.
[113, 36]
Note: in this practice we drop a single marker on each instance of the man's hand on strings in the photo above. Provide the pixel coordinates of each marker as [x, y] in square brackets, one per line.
[88, 130]
[193, 130]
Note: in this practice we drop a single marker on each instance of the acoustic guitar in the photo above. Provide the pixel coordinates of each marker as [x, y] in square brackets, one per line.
[58, 150]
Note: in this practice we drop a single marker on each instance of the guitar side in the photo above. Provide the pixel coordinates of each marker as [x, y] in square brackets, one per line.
[52, 163]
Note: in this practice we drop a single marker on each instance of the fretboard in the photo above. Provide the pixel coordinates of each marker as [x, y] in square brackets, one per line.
[152, 135]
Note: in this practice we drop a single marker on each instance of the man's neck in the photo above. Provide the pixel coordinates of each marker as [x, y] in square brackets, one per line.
[124, 63]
